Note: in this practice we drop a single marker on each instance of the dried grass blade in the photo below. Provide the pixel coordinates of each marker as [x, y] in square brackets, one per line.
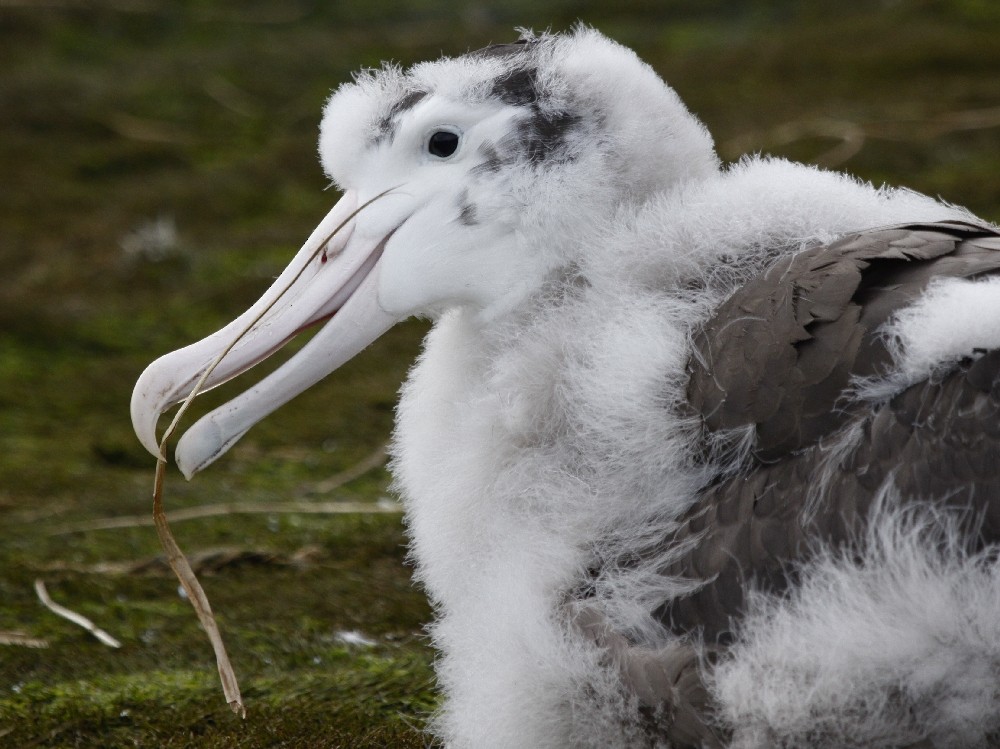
[13, 637]
[79, 619]
[196, 594]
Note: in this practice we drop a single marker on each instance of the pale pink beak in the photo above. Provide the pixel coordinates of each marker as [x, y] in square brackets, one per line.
[329, 276]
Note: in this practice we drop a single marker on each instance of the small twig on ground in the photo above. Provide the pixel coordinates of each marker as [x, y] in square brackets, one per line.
[382, 507]
[359, 469]
[942, 124]
[230, 96]
[203, 561]
[852, 136]
[12, 637]
[233, 508]
[78, 619]
[145, 130]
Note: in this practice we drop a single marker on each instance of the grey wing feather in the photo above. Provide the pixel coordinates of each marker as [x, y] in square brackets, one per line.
[781, 351]
[784, 371]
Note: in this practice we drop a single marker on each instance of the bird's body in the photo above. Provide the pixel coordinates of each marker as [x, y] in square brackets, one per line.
[680, 455]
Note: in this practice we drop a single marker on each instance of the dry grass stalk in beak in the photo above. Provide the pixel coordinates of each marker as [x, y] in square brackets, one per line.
[175, 557]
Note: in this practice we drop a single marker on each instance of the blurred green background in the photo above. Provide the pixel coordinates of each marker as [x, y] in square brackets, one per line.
[157, 169]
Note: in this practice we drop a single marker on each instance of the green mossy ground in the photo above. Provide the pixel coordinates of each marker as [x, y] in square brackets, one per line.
[116, 114]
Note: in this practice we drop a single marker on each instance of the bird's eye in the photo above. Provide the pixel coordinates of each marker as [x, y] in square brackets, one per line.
[442, 143]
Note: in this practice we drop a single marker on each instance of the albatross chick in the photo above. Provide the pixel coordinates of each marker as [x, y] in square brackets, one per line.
[694, 455]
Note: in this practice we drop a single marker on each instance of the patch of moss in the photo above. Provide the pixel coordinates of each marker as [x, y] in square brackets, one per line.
[342, 698]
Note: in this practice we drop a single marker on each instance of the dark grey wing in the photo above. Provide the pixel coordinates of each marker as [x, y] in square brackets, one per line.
[672, 699]
[780, 352]
[777, 358]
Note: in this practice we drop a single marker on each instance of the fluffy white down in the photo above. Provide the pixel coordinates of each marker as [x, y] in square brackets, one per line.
[909, 646]
[582, 72]
[953, 319]
[527, 448]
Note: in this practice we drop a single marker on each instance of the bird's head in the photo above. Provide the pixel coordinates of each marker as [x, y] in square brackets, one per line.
[466, 182]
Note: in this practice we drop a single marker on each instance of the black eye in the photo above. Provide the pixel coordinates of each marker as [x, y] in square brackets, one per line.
[443, 143]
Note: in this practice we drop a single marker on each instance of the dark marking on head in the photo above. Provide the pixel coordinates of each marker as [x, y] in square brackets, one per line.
[518, 87]
[385, 130]
[492, 161]
[520, 47]
[540, 134]
[540, 137]
[543, 135]
[409, 101]
[466, 210]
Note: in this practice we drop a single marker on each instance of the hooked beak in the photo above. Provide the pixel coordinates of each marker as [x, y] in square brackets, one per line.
[331, 277]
